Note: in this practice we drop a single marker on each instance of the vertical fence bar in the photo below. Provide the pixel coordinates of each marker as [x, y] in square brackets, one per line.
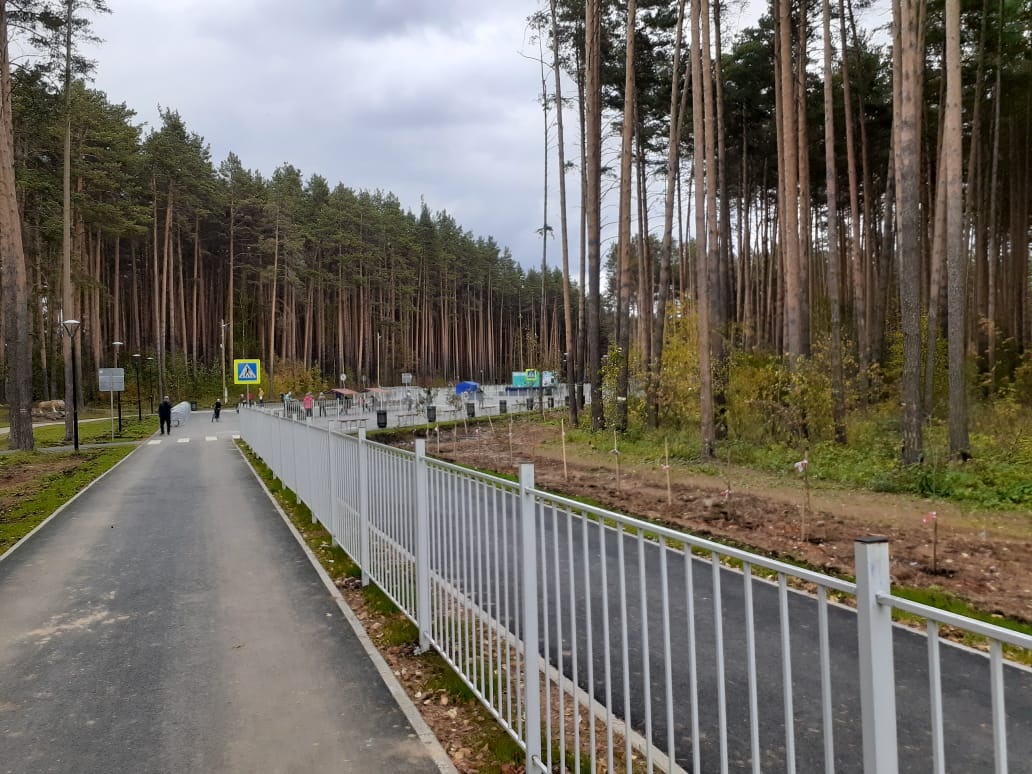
[574, 666]
[786, 671]
[531, 687]
[546, 639]
[363, 505]
[935, 690]
[826, 708]
[718, 636]
[646, 665]
[625, 654]
[693, 668]
[750, 658]
[999, 708]
[422, 547]
[668, 675]
[589, 638]
[877, 673]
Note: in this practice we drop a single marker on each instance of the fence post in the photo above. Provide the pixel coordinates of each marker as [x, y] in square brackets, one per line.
[531, 648]
[877, 673]
[310, 450]
[331, 500]
[422, 546]
[363, 506]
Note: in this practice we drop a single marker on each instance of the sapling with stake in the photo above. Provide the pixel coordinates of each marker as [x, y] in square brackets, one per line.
[803, 468]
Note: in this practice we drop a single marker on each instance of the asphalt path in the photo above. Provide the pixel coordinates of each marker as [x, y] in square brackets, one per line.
[167, 620]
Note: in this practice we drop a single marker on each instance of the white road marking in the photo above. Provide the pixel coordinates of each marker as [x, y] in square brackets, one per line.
[236, 436]
[182, 440]
[211, 438]
[155, 442]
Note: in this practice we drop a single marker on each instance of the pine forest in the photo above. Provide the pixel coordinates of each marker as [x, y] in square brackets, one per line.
[810, 219]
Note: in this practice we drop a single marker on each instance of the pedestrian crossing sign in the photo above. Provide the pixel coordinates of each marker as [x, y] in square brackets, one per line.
[247, 371]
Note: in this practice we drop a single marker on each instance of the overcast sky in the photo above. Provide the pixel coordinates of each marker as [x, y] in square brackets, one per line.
[423, 98]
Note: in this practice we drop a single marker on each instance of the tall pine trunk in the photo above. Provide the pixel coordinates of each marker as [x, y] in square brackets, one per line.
[17, 323]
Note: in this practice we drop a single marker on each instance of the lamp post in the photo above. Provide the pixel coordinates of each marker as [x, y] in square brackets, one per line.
[72, 326]
[377, 359]
[222, 357]
[116, 345]
[139, 403]
[150, 383]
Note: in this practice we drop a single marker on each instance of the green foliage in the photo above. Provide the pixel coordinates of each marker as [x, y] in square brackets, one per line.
[1021, 384]
[292, 376]
[679, 385]
[769, 402]
[612, 362]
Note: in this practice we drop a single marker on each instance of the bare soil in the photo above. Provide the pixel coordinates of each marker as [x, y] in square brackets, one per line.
[980, 556]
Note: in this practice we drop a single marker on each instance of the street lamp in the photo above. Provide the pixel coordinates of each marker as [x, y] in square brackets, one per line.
[72, 326]
[150, 384]
[116, 345]
[377, 359]
[139, 403]
[225, 394]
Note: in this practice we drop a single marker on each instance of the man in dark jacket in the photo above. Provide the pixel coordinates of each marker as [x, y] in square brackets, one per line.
[165, 416]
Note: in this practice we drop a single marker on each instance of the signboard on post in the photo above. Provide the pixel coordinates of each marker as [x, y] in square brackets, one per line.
[406, 379]
[111, 379]
[247, 372]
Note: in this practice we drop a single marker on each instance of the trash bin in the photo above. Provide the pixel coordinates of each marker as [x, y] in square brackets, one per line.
[193, 405]
[431, 413]
[381, 418]
[471, 410]
[503, 407]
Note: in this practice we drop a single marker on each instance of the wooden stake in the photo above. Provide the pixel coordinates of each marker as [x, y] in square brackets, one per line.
[666, 467]
[562, 430]
[616, 451]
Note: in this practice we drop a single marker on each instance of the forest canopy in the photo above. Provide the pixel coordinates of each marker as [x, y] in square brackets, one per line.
[849, 212]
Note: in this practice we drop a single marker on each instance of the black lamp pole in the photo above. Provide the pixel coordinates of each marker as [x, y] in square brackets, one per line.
[72, 326]
[139, 404]
[150, 386]
[116, 345]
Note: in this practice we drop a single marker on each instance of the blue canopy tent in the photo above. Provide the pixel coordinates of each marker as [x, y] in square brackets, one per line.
[464, 387]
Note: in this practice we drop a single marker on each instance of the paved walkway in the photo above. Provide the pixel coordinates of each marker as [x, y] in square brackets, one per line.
[168, 620]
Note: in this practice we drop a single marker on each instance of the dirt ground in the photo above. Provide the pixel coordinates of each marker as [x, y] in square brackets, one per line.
[982, 557]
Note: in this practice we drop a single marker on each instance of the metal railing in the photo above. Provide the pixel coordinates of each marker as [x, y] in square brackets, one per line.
[602, 641]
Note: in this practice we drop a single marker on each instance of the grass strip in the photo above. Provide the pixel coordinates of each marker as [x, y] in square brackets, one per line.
[33, 485]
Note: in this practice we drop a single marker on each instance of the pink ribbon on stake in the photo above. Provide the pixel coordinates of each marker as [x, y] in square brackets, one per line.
[800, 466]
[930, 517]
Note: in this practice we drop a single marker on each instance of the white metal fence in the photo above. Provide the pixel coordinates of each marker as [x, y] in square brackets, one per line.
[603, 642]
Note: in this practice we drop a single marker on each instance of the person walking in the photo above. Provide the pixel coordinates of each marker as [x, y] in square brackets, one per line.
[216, 411]
[261, 396]
[309, 404]
[165, 415]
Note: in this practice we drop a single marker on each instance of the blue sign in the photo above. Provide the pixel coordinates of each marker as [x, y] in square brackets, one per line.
[247, 371]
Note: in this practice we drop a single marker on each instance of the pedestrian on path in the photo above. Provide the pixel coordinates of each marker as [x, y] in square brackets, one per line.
[165, 415]
[216, 411]
[309, 404]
